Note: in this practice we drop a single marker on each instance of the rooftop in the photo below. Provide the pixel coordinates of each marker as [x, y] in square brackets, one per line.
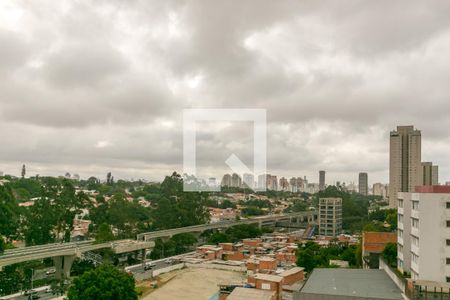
[267, 277]
[291, 271]
[248, 293]
[373, 284]
[437, 189]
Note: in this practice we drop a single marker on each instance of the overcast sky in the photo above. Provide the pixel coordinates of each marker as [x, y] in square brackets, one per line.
[89, 87]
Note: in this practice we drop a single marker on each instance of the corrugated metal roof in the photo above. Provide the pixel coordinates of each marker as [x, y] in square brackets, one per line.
[374, 284]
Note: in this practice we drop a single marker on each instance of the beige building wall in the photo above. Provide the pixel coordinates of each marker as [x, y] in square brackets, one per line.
[435, 175]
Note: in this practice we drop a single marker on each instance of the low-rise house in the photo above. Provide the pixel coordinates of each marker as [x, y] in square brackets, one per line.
[241, 293]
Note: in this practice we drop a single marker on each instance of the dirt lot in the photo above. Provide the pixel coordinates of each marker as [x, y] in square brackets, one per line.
[193, 284]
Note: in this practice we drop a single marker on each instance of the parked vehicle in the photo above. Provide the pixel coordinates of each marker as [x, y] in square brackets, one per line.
[50, 271]
[148, 267]
[30, 292]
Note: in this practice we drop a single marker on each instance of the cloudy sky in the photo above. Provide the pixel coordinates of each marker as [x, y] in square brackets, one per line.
[94, 86]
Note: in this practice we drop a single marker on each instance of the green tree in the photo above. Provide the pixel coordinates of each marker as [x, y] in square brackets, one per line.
[2, 245]
[175, 208]
[9, 212]
[39, 223]
[218, 237]
[104, 233]
[183, 241]
[390, 254]
[305, 259]
[104, 283]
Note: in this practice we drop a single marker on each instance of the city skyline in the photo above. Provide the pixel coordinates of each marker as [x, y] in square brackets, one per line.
[89, 94]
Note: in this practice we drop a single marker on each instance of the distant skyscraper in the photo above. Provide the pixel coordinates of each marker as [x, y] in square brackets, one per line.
[405, 168]
[321, 180]
[380, 189]
[249, 180]
[236, 180]
[272, 182]
[262, 182]
[293, 185]
[363, 184]
[284, 184]
[226, 180]
[430, 174]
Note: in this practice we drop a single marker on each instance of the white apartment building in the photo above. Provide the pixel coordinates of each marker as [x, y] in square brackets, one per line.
[424, 233]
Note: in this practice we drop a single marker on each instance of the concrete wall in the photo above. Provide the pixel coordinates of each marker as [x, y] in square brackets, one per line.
[400, 282]
[152, 273]
[168, 269]
[218, 267]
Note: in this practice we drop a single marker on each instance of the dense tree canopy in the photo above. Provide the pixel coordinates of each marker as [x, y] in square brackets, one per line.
[104, 283]
[311, 255]
[390, 254]
[9, 212]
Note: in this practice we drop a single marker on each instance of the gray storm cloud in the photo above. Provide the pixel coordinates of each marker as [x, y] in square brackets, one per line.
[89, 87]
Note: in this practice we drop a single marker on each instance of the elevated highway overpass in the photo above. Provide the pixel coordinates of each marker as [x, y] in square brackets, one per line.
[299, 217]
[63, 254]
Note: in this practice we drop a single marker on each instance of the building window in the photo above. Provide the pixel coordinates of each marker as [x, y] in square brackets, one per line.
[415, 205]
[448, 261]
[415, 223]
[448, 279]
[400, 203]
[448, 204]
[448, 242]
[448, 223]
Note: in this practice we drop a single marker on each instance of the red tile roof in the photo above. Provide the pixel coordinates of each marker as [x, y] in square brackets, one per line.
[376, 241]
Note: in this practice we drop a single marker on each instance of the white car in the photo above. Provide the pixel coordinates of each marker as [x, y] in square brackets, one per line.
[50, 271]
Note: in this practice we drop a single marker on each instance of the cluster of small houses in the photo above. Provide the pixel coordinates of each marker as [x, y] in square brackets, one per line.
[270, 262]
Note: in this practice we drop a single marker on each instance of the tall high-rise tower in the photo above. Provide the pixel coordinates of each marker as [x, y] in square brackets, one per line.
[430, 174]
[405, 168]
[363, 184]
[321, 180]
